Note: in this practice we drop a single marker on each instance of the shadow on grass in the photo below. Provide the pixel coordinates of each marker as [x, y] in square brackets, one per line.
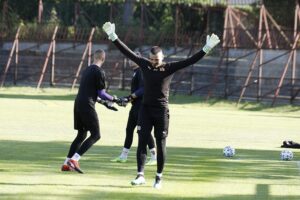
[88, 194]
[183, 165]
[70, 97]
[45, 96]
[180, 99]
[177, 99]
[190, 164]
[261, 107]
[174, 99]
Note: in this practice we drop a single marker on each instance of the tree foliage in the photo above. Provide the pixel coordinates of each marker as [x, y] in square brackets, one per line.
[159, 15]
[283, 11]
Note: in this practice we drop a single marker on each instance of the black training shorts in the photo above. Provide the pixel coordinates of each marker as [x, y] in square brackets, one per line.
[153, 116]
[86, 121]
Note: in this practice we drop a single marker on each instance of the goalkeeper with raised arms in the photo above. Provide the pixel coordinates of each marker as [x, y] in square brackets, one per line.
[154, 111]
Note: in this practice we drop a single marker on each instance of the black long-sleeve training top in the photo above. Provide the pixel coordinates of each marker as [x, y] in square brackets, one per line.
[92, 80]
[137, 85]
[157, 79]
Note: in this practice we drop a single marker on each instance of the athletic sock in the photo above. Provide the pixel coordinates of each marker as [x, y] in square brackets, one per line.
[140, 173]
[76, 157]
[159, 175]
[153, 154]
[124, 153]
[66, 161]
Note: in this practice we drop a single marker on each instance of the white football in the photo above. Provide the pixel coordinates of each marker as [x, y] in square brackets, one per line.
[286, 155]
[228, 151]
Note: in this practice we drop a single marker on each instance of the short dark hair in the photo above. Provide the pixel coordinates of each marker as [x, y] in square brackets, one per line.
[155, 50]
[99, 54]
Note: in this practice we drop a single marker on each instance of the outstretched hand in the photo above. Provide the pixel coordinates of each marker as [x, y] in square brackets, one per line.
[107, 104]
[211, 41]
[123, 101]
[109, 28]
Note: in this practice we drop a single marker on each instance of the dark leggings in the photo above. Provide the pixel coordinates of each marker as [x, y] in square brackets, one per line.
[161, 154]
[83, 121]
[80, 145]
[159, 119]
[131, 124]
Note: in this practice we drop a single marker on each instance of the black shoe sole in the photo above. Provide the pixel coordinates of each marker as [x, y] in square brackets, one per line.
[75, 168]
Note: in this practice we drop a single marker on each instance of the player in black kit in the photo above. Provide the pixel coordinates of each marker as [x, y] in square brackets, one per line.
[92, 85]
[154, 110]
[136, 96]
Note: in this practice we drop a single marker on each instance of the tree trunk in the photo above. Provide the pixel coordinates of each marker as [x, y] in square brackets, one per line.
[128, 11]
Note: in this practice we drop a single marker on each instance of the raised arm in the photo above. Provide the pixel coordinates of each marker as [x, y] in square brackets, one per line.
[109, 29]
[127, 52]
[211, 42]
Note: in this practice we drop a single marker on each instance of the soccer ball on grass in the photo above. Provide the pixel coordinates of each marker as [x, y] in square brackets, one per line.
[286, 155]
[228, 151]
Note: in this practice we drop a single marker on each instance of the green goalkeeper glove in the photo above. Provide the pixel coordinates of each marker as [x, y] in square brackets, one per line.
[211, 42]
[109, 29]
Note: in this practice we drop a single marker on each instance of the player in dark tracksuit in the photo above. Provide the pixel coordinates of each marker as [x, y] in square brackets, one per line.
[92, 85]
[154, 111]
[136, 96]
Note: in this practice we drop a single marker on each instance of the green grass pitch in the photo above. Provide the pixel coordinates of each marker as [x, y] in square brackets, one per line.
[36, 129]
